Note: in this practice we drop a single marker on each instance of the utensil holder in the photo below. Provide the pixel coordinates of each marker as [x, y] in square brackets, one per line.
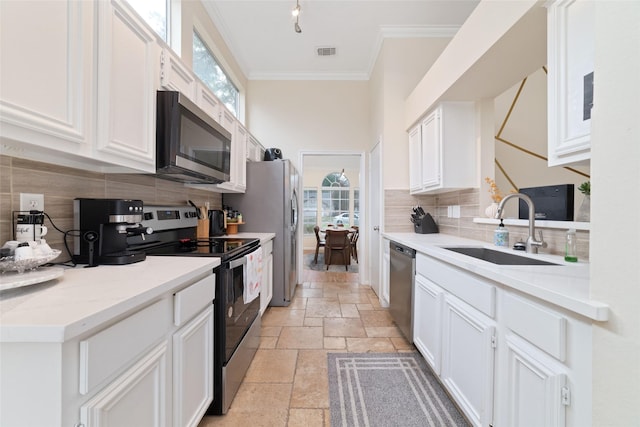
[202, 231]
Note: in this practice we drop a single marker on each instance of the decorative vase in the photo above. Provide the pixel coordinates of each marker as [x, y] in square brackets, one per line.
[492, 210]
[584, 213]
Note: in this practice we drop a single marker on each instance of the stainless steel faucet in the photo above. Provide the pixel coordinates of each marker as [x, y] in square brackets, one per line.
[532, 244]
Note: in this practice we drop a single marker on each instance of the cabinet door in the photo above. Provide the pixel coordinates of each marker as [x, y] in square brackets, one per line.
[46, 74]
[415, 158]
[384, 286]
[174, 75]
[427, 320]
[206, 100]
[537, 389]
[570, 54]
[253, 149]
[127, 60]
[193, 370]
[468, 355]
[136, 398]
[266, 292]
[240, 156]
[431, 150]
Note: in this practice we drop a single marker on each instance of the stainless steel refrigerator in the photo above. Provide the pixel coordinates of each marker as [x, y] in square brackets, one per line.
[270, 205]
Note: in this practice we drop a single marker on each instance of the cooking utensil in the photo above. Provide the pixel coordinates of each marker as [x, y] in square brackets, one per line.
[197, 209]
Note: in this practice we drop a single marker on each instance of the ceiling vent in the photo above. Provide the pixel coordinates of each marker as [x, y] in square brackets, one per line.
[326, 51]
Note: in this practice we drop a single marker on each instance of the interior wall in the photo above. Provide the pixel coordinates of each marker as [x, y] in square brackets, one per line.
[615, 157]
[331, 116]
[404, 63]
[526, 127]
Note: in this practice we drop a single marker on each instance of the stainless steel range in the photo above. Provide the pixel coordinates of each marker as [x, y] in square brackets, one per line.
[236, 324]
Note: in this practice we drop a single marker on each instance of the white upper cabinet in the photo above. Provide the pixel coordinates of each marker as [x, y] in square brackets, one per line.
[415, 158]
[442, 149]
[174, 75]
[46, 77]
[255, 150]
[127, 60]
[239, 134]
[570, 56]
[57, 106]
[206, 100]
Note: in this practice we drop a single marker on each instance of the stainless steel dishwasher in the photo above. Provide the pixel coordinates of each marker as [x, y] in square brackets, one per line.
[401, 275]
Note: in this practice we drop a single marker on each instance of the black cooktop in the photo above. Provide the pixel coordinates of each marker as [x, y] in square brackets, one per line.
[225, 248]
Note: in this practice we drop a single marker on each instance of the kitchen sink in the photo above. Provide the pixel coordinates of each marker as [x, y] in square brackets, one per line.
[497, 257]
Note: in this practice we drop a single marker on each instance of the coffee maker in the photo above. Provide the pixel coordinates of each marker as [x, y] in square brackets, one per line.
[103, 226]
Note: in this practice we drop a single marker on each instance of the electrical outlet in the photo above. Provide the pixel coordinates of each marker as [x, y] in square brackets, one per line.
[29, 201]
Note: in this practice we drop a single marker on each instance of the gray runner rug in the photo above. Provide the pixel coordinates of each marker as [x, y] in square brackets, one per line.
[386, 390]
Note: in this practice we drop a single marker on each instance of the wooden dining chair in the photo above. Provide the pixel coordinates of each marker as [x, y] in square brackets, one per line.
[337, 246]
[354, 242]
[319, 243]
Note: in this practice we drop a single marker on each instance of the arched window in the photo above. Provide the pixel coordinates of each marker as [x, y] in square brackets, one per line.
[335, 199]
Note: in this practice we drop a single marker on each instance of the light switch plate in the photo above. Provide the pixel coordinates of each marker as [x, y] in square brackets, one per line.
[30, 201]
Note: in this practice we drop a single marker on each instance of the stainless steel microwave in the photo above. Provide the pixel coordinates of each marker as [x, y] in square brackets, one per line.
[191, 146]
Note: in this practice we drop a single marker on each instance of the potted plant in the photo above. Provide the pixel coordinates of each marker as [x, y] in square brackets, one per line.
[584, 214]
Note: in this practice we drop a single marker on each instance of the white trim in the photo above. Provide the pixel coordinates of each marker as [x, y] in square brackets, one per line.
[308, 76]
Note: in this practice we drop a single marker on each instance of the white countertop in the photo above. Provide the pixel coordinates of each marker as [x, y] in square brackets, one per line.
[83, 298]
[264, 237]
[565, 285]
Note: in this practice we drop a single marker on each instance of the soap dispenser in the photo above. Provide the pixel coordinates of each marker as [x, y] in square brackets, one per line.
[501, 235]
[571, 252]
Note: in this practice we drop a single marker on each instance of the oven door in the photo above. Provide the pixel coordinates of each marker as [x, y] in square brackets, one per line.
[238, 316]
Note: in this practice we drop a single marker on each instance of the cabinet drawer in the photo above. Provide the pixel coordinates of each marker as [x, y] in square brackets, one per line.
[190, 301]
[540, 326]
[112, 349]
[468, 287]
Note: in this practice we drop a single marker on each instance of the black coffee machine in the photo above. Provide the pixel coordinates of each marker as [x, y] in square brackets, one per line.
[103, 226]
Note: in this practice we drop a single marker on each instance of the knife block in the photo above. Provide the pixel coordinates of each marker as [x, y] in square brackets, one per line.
[202, 231]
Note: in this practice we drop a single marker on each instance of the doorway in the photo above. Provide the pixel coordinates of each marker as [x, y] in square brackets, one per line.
[332, 191]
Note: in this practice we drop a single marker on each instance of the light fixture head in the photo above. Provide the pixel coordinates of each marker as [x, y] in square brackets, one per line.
[296, 14]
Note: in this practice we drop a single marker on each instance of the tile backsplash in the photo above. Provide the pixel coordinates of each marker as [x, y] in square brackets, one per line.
[398, 204]
[60, 185]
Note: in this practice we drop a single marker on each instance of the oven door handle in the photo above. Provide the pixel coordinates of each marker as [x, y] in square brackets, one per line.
[237, 262]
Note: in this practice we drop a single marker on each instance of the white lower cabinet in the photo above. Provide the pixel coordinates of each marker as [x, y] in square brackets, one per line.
[468, 352]
[427, 321]
[266, 290]
[136, 398]
[150, 367]
[506, 358]
[193, 370]
[536, 386]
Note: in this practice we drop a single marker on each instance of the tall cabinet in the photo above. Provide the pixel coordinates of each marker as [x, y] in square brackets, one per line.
[45, 96]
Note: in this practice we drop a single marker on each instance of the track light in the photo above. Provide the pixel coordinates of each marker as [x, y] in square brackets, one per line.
[296, 13]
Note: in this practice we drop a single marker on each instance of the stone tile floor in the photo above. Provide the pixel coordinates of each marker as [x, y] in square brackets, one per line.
[287, 383]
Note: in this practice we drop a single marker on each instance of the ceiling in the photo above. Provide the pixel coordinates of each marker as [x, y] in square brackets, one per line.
[261, 33]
